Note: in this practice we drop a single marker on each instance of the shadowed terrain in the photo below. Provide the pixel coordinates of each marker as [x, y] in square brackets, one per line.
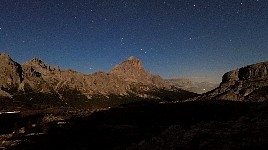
[198, 125]
[149, 114]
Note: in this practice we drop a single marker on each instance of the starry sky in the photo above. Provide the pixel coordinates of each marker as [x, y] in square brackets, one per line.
[173, 38]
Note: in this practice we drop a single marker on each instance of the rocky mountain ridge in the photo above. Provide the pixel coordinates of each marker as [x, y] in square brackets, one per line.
[248, 83]
[36, 76]
[10, 74]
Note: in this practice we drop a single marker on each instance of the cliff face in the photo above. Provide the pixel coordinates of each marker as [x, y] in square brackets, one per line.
[132, 71]
[10, 74]
[248, 83]
[251, 72]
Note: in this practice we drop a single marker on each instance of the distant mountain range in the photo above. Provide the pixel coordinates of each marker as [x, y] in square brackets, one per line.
[36, 80]
[192, 86]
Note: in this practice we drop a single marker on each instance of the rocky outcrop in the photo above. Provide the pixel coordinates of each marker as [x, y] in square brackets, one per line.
[132, 71]
[10, 74]
[39, 76]
[249, 83]
[4, 94]
[256, 71]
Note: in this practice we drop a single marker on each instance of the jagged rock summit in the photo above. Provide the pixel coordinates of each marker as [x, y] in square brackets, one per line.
[132, 70]
[129, 68]
[132, 63]
[10, 73]
[248, 83]
[41, 65]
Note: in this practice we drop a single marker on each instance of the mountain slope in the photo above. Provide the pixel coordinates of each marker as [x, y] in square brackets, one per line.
[248, 83]
[10, 74]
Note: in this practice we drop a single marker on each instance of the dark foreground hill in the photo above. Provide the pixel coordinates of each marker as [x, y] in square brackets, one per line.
[154, 126]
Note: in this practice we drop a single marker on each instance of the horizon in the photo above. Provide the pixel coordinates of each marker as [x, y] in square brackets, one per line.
[194, 39]
[199, 79]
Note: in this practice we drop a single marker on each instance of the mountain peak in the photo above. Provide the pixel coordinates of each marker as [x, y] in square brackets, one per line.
[4, 56]
[5, 60]
[131, 70]
[38, 63]
[133, 58]
[37, 60]
[132, 64]
[10, 72]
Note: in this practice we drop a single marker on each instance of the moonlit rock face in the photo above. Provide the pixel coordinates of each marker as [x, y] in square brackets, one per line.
[133, 58]
[248, 83]
[132, 70]
[10, 73]
[135, 62]
[39, 76]
[131, 65]
[254, 71]
[5, 57]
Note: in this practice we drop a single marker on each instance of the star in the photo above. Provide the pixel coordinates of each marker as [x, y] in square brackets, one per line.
[187, 31]
[122, 42]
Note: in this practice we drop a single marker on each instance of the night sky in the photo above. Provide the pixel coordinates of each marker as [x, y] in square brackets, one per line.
[173, 38]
